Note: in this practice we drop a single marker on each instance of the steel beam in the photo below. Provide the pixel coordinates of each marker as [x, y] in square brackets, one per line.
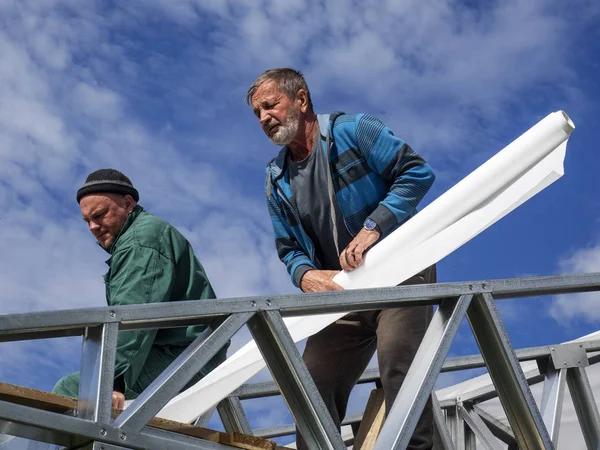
[59, 426]
[97, 372]
[43, 334]
[441, 430]
[457, 427]
[552, 400]
[179, 373]
[507, 375]
[102, 446]
[422, 374]
[273, 432]
[489, 392]
[498, 429]
[184, 313]
[203, 419]
[233, 416]
[269, 389]
[95, 405]
[585, 406]
[22, 430]
[477, 426]
[285, 430]
[256, 390]
[297, 387]
[470, 440]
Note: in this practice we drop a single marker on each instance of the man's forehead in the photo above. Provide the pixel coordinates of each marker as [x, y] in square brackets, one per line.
[268, 88]
[91, 202]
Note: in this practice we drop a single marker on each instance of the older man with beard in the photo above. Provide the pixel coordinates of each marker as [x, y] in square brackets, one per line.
[150, 262]
[341, 183]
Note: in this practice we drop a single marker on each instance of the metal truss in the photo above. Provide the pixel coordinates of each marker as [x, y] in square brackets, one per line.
[457, 418]
[458, 423]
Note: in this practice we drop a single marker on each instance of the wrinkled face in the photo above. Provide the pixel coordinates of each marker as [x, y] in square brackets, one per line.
[106, 214]
[279, 116]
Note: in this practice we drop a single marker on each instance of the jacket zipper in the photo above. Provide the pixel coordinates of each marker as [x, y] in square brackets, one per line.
[335, 199]
[297, 216]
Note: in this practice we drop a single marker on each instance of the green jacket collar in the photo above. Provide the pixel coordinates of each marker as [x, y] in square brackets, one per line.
[130, 219]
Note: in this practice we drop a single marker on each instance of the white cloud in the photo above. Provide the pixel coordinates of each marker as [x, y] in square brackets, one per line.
[444, 60]
[584, 306]
[98, 102]
[58, 122]
[63, 113]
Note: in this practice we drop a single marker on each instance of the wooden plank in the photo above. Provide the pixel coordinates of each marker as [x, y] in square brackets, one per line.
[244, 441]
[47, 401]
[36, 399]
[372, 421]
[185, 428]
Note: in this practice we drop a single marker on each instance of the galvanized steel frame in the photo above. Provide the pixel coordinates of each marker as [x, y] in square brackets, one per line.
[457, 423]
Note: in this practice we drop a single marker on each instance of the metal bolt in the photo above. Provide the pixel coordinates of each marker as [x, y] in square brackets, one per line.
[268, 302]
[565, 363]
[470, 287]
[103, 432]
[483, 286]
[122, 436]
[552, 348]
[578, 362]
[253, 304]
[112, 315]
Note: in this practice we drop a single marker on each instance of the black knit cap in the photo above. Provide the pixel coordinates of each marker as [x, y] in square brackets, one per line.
[105, 181]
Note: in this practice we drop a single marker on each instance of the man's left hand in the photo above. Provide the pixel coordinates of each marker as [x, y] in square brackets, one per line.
[118, 400]
[352, 256]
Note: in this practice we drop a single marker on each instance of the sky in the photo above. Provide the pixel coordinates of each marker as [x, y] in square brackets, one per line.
[156, 88]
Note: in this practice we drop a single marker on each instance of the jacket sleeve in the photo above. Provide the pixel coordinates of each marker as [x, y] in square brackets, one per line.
[407, 173]
[289, 250]
[138, 275]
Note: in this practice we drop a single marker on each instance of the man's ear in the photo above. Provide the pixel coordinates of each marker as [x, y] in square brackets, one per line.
[303, 97]
[129, 202]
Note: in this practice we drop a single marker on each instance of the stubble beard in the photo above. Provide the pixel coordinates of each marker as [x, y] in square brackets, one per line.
[106, 244]
[287, 132]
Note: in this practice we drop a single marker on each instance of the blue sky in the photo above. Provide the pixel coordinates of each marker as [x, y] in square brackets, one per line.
[156, 90]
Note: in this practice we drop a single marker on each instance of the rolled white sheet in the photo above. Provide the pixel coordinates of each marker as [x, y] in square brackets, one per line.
[518, 172]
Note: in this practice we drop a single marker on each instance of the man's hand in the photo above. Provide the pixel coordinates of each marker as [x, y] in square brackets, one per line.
[352, 256]
[118, 400]
[319, 281]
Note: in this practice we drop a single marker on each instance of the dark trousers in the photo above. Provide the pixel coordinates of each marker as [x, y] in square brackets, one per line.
[337, 356]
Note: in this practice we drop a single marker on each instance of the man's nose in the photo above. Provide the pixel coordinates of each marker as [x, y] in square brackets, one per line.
[264, 118]
[94, 226]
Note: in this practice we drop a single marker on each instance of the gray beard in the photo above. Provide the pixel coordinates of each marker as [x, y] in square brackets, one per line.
[286, 132]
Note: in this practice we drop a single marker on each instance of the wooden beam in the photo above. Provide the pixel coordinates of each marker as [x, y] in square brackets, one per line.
[372, 421]
[47, 401]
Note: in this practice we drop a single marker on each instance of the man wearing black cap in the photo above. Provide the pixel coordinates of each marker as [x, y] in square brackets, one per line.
[150, 262]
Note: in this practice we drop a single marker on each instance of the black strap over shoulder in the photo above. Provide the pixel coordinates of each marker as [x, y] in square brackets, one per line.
[332, 118]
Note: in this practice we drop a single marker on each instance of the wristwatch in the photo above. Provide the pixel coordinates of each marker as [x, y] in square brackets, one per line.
[370, 225]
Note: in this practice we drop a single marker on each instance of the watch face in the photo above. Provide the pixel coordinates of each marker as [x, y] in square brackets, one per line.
[370, 224]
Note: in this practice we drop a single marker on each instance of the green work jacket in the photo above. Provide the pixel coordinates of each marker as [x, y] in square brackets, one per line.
[151, 262]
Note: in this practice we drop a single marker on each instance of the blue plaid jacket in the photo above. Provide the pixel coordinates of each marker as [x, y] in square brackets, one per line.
[374, 174]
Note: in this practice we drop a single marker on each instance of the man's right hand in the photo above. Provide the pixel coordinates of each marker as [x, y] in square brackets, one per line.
[118, 400]
[320, 281]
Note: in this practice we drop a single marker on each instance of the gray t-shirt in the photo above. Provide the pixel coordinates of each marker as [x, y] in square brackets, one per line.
[308, 181]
